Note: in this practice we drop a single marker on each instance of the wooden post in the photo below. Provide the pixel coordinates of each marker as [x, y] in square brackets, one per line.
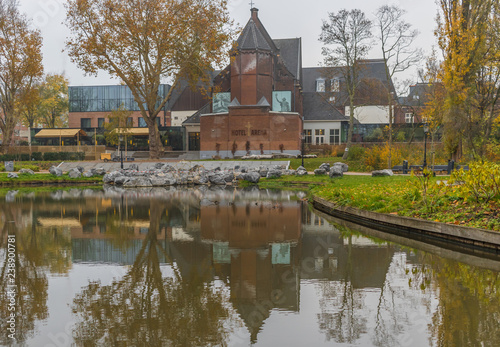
[95, 144]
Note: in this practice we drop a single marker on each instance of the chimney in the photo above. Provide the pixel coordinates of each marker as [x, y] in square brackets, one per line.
[255, 13]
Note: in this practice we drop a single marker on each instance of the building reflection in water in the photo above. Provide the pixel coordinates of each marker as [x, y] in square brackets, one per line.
[262, 246]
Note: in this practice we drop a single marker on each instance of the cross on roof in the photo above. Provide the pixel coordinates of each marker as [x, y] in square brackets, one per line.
[251, 4]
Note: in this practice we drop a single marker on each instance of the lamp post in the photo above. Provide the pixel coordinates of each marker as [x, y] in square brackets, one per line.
[121, 151]
[426, 131]
[302, 138]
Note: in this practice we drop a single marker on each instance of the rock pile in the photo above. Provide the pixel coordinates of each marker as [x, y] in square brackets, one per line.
[162, 175]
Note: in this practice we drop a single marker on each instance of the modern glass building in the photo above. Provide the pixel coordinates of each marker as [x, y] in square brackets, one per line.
[106, 98]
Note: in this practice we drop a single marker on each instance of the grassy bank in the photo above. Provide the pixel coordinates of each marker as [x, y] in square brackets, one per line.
[402, 195]
[45, 179]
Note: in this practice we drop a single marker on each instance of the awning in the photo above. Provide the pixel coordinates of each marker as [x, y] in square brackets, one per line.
[59, 222]
[45, 133]
[133, 131]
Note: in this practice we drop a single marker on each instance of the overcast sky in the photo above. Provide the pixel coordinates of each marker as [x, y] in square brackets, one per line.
[282, 19]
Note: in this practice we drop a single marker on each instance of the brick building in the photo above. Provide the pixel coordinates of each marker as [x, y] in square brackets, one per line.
[258, 106]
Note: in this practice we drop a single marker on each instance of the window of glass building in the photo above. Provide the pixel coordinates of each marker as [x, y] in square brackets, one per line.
[106, 98]
[100, 122]
[85, 123]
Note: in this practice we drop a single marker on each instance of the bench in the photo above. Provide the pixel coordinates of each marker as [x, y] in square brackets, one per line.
[397, 168]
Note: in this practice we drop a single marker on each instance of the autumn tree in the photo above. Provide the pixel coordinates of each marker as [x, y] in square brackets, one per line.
[30, 107]
[20, 65]
[396, 38]
[465, 37]
[54, 100]
[142, 42]
[117, 125]
[434, 109]
[346, 38]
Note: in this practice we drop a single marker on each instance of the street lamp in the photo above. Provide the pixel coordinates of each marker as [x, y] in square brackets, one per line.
[121, 151]
[426, 131]
[303, 138]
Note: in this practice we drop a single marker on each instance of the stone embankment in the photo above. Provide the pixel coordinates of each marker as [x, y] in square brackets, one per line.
[163, 175]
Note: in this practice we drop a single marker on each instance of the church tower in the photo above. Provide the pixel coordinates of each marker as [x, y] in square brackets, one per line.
[252, 66]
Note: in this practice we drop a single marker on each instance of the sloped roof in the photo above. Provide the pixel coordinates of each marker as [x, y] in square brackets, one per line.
[252, 38]
[317, 108]
[195, 118]
[291, 53]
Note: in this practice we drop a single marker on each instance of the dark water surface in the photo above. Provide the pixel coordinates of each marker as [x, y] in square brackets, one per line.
[228, 267]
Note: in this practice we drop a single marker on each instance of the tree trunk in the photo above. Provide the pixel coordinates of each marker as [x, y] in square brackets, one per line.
[391, 116]
[349, 133]
[155, 145]
[7, 132]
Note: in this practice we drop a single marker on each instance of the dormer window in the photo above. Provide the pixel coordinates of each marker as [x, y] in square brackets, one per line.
[335, 83]
[320, 85]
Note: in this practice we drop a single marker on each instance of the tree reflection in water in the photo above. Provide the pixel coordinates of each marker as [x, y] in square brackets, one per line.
[468, 313]
[144, 308]
[37, 250]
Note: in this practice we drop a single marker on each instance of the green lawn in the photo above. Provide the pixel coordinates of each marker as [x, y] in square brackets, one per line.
[41, 178]
[401, 195]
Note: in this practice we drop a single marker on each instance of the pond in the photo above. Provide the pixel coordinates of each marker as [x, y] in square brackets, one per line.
[199, 267]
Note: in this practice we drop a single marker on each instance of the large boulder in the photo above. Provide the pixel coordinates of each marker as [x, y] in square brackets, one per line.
[252, 177]
[325, 166]
[98, 171]
[121, 180]
[273, 173]
[26, 171]
[12, 175]
[289, 172]
[110, 177]
[228, 177]
[301, 171]
[200, 180]
[54, 170]
[336, 171]
[321, 171]
[159, 181]
[80, 168]
[138, 182]
[382, 173]
[74, 173]
[263, 172]
[217, 179]
[344, 166]
[88, 174]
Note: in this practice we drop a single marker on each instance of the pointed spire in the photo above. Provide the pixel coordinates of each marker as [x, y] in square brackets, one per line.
[252, 38]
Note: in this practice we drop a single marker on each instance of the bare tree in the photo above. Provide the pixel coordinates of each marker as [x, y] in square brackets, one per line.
[396, 39]
[349, 33]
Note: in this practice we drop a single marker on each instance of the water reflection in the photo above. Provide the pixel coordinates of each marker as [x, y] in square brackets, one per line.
[231, 267]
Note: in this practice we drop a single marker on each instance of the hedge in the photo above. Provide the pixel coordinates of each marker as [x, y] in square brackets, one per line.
[47, 156]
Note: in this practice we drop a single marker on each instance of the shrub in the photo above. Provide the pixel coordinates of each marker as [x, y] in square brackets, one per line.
[481, 182]
[62, 156]
[356, 153]
[37, 156]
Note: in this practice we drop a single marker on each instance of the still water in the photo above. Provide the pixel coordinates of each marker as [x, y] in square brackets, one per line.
[228, 267]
